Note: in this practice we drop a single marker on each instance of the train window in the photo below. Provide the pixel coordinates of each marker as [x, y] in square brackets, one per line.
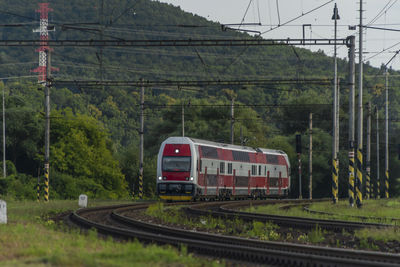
[209, 152]
[265, 170]
[229, 168]
[176, 164]
[240, 156]
[259, 169]
[272, 159]
[200, 167]
[222, 167]
[253, 169]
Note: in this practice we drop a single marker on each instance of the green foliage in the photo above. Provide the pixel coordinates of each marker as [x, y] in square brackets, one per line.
[316, 235]
[264, 231]
[156, 210]
[81, 149]
[19, 187]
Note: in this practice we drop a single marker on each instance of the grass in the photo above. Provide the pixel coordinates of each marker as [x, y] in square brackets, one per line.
[174, 215]
[382, 209]
[32, 238]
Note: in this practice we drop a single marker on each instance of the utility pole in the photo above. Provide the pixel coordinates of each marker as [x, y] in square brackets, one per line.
[335, 126]
[378, 179]
[368, 162]
[47, 129]
[232, 119]
[310, 157]
[387, 135]
[298, 151]
[4, 135]
[359, 182]
[141, 140]
[351, 118]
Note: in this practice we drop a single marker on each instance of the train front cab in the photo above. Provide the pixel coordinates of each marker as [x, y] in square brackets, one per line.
[175, 169]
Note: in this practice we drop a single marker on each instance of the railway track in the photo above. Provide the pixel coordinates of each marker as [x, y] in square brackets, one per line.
[230, 210]
[362, 218]
[115, 221]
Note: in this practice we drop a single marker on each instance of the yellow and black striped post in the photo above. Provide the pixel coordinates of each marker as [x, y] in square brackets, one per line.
[140, 186]
[351, 178]
[378, 188]
[38, 191]
[387, 184]
[334, 181]
[368, 182]
[46, 182]
[359, 197]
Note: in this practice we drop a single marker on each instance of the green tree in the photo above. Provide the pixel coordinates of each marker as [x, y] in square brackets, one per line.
[81, 148]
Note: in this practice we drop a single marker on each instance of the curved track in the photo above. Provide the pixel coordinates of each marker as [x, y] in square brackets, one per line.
[230, 210]
[113, 221]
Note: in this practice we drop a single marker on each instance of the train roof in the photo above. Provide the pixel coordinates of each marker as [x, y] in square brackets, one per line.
[226, 146]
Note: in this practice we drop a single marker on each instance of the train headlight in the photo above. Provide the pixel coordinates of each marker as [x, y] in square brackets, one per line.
[187, 178]
[176, 151]
[191, 178]
[164, 178]
[160, 178]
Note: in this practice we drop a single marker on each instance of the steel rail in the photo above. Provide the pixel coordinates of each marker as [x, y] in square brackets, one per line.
[237, 248]
[364, 218]
[228, 211]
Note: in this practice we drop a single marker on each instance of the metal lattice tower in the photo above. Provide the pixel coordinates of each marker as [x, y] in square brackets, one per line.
[44, 37]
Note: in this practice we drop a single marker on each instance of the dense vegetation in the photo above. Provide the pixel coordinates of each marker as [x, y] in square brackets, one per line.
[94, 131]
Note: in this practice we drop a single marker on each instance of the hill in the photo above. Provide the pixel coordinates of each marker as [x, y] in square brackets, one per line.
[265, 116]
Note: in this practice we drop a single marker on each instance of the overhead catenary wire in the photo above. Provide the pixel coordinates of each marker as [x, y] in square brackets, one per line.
[293, 19]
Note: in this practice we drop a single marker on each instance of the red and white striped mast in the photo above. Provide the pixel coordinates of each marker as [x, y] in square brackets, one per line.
[44, 38]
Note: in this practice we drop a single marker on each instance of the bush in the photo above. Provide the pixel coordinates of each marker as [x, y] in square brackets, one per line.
[20, 186]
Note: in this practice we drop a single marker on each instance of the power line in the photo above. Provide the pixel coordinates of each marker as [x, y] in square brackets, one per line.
[302, 15]
[200, 83]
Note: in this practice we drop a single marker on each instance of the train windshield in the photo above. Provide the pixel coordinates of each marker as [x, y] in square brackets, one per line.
[176, 164]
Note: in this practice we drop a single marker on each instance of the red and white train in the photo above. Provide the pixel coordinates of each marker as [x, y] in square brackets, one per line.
[190, 169]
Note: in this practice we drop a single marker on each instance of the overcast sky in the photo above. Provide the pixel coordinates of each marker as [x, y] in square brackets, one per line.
[379, 13]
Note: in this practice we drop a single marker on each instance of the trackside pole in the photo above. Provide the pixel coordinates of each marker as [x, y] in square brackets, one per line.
[368, 162]
[378, 182]
[359, 182]
[387, 135]
[351, 45]
[141, 149]
[47, 130]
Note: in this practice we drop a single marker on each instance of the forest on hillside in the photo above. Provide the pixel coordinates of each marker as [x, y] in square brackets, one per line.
[95, 130]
